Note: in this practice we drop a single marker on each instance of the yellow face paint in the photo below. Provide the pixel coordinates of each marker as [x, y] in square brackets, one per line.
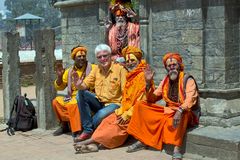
[80, 53]
[171, 61]
[131, 57]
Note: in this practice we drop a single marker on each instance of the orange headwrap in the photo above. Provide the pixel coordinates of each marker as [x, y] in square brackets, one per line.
[120, 12]
[132, 50]
[78, 49]
[176, 56]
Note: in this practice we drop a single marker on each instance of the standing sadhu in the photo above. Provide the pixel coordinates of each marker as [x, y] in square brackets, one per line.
[155, 125]
[66, 108]
[123, 32]
[112, 132]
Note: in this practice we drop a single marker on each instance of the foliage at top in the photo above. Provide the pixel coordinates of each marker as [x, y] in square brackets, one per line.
[134, 4]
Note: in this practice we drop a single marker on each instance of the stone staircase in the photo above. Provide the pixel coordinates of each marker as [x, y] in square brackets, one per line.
[214, 142]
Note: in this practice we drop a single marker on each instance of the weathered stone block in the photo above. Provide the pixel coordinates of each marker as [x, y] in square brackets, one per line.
[215, 62]
[188, 14]
[89, 29]
[197, 63]
[215, 49]
[188, 24]
[83, 21]
[214, 142]
[215, 76]
[169, 37]
[215, 12]
[194, 49]
[163, 15]
[80, 11]
[160, 49]
[218, 121]
[191, 36]
[216, 23]
[215, 35]
[232, 75]
[218, 107]
[160, 26]
[64, 22]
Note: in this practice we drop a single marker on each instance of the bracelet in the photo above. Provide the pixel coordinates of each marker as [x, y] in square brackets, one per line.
[180, 109]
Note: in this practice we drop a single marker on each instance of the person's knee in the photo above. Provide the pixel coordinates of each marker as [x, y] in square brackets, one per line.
[112, 107]
[101, 114]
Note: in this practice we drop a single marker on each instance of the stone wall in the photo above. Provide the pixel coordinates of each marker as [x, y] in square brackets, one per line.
[178, 27]
[80, 25]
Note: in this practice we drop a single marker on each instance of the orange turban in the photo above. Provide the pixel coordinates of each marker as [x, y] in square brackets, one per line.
[78, 49]
[132, 50]
[176, 56]
[120, 12]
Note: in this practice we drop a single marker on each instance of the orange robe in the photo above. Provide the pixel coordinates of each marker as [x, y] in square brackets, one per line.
[152, 124]
[67, 112]
[111, 134]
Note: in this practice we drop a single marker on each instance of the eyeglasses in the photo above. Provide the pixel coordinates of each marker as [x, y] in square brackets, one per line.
[103, 56]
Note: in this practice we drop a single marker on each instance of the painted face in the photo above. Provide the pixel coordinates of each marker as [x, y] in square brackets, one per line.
[104, 59]
[80, 59]
[172, 67]
[131, 62]
[120, 20]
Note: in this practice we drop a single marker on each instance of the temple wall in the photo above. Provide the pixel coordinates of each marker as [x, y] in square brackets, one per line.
[205, 32]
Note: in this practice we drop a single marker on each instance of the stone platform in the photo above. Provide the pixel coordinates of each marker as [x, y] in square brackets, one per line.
[215, 142]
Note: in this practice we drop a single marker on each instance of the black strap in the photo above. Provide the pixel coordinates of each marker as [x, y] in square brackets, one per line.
[2, 130]
[14, 106]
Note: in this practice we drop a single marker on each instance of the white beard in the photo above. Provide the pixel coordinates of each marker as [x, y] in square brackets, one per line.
[120, 24]
[173, 75]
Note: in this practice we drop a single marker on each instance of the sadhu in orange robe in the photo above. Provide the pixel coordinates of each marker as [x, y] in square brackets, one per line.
[111, 134]
[152, 124]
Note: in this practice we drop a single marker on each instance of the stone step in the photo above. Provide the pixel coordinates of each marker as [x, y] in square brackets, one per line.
[214, 142]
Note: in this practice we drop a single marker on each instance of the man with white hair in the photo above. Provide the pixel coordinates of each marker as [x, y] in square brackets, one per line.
[108, 79]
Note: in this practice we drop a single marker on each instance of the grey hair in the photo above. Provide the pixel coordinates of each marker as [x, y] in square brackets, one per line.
[102, 47]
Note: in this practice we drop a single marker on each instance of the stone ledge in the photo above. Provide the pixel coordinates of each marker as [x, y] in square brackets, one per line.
[73, 3]
[219, 121]
[215, 142]
[220, 93]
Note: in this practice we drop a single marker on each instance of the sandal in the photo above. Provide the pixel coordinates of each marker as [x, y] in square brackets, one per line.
[86, 148]
[177, 156]
[136, 147]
